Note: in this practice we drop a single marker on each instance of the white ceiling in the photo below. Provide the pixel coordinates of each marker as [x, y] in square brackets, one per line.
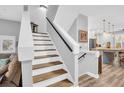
[11, 12]
[101, 10]
[95, 13]
[114, 13]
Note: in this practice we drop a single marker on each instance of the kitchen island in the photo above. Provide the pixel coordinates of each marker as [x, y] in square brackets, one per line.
[105, 53]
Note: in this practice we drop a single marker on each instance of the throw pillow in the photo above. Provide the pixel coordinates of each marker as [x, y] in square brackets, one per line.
[4, 62]
[12, 69]
[3, 69]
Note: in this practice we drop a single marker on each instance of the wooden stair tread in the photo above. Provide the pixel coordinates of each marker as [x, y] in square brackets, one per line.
[48, 75]
[83, 77]
[43, 44]
[40, 33]
[45, 50]
[63, 83]
[41, 40]
[46, 65]
[46, 56]
[39, 36]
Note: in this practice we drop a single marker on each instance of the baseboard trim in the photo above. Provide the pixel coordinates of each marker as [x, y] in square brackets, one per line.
[91, 74]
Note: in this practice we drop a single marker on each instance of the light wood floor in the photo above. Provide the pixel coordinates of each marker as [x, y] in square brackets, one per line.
[64, 83]
[110, 77]
[48, 75]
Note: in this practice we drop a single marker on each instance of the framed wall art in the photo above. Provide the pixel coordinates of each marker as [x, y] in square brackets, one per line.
[7, 44]
[83, 36]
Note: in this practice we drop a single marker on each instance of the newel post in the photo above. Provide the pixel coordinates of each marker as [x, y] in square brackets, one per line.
[25, 48]
[76, 68]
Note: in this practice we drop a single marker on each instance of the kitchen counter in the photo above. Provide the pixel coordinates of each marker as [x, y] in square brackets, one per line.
[108, 49]
[115, 51]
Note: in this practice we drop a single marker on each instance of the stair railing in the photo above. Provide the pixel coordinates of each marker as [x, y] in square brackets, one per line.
[82, 56]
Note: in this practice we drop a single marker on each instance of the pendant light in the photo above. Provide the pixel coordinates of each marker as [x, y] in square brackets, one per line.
[103, 25]
[109, 29]
[113, 34]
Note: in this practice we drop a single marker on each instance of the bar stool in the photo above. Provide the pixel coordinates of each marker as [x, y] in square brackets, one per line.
[121, 55]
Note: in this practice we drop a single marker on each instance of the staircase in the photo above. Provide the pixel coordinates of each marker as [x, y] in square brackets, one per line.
[47, 67]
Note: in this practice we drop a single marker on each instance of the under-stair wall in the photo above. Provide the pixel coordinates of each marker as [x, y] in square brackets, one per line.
[67, 48]
[70, 58]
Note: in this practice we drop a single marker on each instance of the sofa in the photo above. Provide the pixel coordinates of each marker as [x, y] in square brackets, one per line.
[10, 74]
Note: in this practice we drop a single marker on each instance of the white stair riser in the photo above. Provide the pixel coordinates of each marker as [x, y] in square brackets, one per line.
[45, 53]
[51, 81]
[46, 38]
[40, 34]
[42, 42]
[43, 47]
[45, 60]
[47, 69]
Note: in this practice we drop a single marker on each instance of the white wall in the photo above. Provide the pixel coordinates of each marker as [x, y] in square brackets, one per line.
[66, 15]
[95, 23]
[11, 28]
[89, 64]
[51, 12]
[38, 16]
[73, 31]
[82, 23]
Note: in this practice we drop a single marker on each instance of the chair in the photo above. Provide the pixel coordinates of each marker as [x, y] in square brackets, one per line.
[121, 55]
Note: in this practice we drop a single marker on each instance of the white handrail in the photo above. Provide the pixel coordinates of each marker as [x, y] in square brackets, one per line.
[67, 38]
